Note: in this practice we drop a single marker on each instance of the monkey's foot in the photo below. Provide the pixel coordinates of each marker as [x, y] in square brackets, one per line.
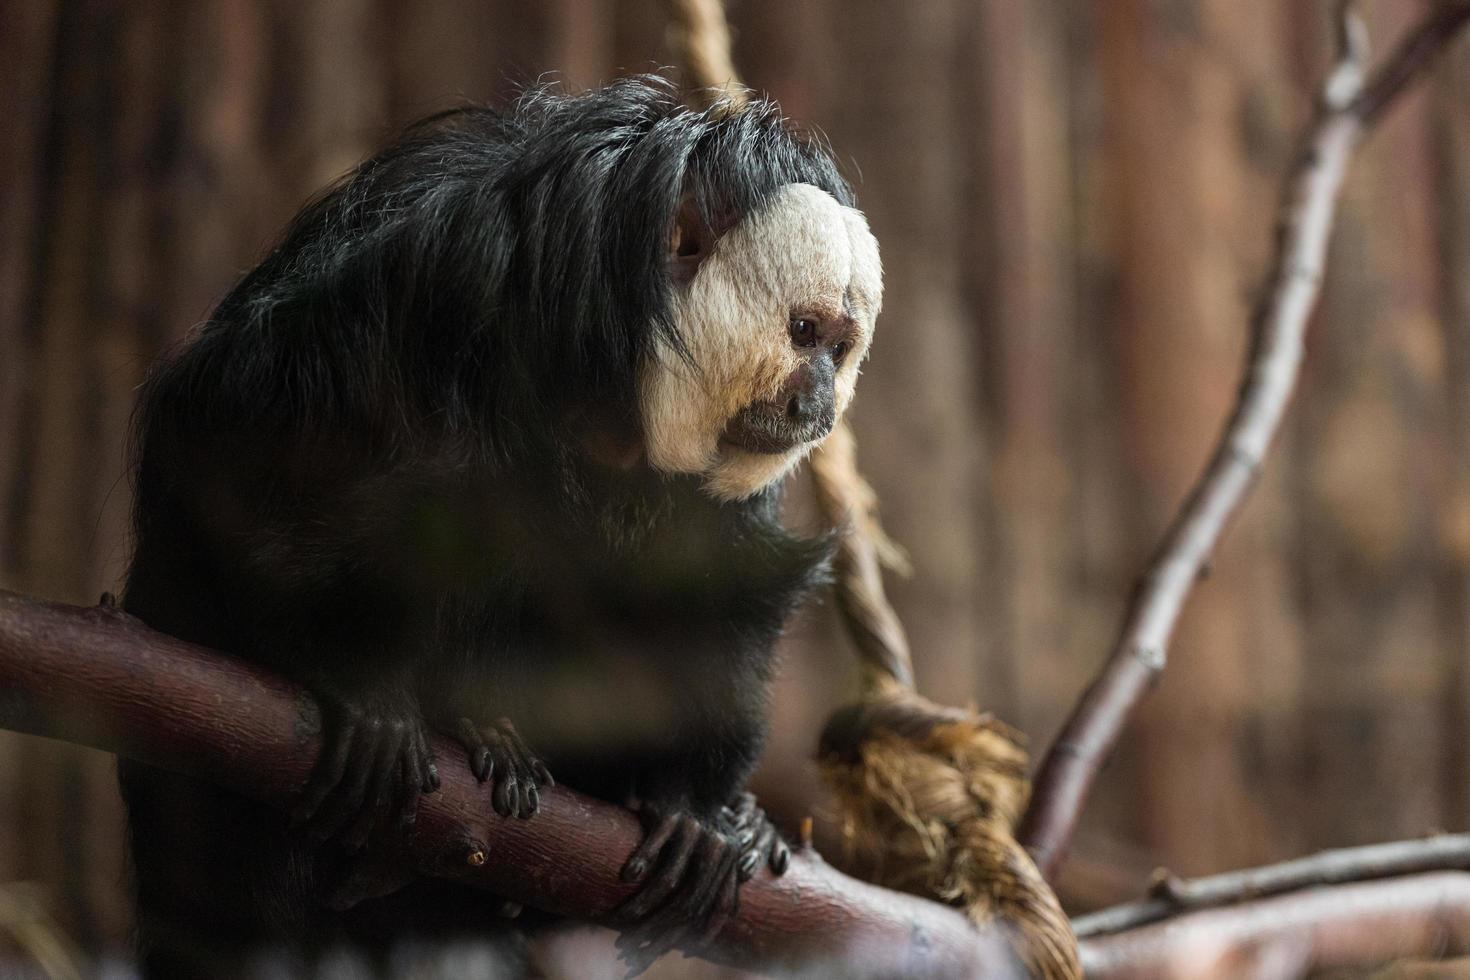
[760, 841]
[690, 870]
[498, 753]
[374, 764]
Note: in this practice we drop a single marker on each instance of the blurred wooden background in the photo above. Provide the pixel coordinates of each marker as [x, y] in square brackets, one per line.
[1074, 199]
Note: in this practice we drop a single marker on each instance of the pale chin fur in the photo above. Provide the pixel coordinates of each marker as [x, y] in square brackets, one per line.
[803, 251]
[740, 473]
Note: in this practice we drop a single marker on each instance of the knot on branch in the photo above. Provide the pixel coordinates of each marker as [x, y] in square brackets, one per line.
[930, 796]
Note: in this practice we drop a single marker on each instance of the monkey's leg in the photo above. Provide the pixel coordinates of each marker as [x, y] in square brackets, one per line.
[498, 752]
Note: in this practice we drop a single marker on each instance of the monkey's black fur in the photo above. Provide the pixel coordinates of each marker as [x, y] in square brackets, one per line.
[367, 472]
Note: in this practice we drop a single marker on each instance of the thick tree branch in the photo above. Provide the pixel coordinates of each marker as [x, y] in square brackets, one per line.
[101, 678]
[1171, 896]
[1347, 109]
[1293, 935]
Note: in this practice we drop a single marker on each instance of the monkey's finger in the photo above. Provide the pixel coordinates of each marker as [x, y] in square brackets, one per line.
[745, 809]
[780, 856]
[647, 851]
[727, 904]
[749, 861]
[673, 863]
[330, 765]
[410, 790]
[765, 839]
[378, 794]
[507, 796]
[515, 746]
[543, 775]
[731, 821]
[717, 896]
[530, 801]
[713, 865]
[420, 760]
[689, 911]
[481, 762]
[523, 779]
[347, 798]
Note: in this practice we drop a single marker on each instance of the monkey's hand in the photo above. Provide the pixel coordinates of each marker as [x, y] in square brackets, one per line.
[374, 764]
[760, 841]
[690, 870]
[497, 752]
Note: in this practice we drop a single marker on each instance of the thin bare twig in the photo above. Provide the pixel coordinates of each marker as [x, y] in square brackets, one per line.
[702, 34]
[1172, 896]
[1346, 110]
[1341, 926]
[848, 502]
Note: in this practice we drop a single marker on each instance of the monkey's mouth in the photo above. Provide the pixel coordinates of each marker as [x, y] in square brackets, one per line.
[770, 429]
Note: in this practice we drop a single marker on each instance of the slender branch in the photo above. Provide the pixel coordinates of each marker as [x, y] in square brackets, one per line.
[99, 677]
[1416, 51]
[849, 503]
[1346, 110]
[702, 34]
[1171, 896]
[1352, 925]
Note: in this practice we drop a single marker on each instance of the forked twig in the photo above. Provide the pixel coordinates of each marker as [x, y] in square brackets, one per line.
[1172, 896]
[1342, 927]
[1346, 110]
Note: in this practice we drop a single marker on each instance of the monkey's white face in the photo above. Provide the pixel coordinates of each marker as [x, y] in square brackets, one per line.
[777, 320]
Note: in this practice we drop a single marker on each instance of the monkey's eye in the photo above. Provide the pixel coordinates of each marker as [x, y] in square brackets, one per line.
[803, 332]
[840, 351]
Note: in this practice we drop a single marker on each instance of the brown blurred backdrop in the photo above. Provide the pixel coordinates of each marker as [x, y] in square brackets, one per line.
[1074, 199]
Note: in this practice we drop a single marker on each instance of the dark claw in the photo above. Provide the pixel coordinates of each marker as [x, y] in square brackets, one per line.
[635, 869]
[498, 755]
[760, 841]
[530, 802]
[349, 795]
[501, 796]
[780, 857]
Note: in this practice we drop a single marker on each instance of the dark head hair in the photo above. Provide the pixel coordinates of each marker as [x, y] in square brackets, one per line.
[485, 270]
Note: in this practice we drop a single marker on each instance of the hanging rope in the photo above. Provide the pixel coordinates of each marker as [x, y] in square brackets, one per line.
[930, 796]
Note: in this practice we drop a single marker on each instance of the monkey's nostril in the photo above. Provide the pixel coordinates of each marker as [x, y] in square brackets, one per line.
[793, 408]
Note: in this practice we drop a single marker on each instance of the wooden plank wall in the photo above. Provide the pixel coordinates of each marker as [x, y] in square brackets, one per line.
[1074, 199]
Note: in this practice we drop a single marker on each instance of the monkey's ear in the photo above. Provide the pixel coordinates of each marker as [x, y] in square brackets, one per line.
[692, 239]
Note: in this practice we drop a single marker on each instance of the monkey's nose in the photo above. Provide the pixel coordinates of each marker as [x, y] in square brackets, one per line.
[809, 413]
[797, 408]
